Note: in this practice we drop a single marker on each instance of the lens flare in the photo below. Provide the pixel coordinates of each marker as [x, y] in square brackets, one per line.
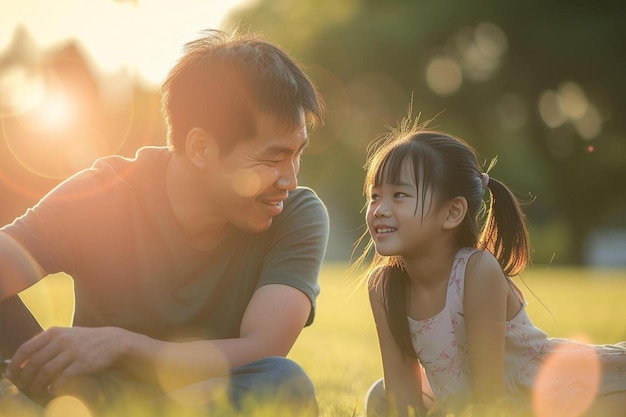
[568, 381]
[210, 391]
[246, 183]
[66, 406]
[181, 383]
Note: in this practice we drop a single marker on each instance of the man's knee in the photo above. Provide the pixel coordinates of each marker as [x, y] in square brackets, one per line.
[274, 380]
[375, 400]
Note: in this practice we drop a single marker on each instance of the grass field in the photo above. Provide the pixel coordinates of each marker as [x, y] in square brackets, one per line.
[340, 351]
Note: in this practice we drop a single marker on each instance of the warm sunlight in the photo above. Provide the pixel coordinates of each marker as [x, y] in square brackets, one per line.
[55, 111]
[143, 37]
[71, 73]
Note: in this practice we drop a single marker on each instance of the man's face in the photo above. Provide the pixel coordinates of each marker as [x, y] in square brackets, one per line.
[248, 185]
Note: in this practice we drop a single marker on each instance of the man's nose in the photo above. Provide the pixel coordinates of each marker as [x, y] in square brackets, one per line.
[288, 177]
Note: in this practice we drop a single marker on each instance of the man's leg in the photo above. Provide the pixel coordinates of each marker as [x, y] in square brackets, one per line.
[14, 403]
[274, 382]
[17, 325]
[273, 386]
[375, 400]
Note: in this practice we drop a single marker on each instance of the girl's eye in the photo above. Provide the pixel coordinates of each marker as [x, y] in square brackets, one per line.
[399, 195]
[374, 197]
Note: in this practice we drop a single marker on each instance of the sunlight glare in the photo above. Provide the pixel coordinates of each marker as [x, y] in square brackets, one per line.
[444, 76]
[569, 104]
[82, 153]
[246, 184]
[21, 90]
[201, 393]
[491, 40]
[549, 109]
[66, 406]
[144, 37]
[568, 381]
[181, 383]
[589, 125]
[572, 100]
[55, 112]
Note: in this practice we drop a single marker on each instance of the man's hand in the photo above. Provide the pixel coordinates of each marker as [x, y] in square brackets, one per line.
[53, 358]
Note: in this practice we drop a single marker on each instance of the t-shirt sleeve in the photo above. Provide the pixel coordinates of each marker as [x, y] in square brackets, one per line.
[298, 246]
[45, 229]
[51, 230]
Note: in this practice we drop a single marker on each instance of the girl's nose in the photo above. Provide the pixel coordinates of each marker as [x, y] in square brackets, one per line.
[381, 211]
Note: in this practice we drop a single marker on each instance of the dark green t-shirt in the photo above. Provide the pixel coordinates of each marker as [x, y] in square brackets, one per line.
[112, 229]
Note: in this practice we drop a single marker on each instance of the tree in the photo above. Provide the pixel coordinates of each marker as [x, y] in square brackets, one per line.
[537, 83]
[71, 118]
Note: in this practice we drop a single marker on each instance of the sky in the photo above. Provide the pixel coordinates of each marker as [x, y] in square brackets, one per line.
[144, 37]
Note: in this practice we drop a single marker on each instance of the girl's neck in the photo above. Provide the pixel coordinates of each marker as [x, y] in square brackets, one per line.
[432, 269]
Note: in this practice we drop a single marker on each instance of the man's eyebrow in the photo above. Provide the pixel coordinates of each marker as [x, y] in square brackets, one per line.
[284, 150]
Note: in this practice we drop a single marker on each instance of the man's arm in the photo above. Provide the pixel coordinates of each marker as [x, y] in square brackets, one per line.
[18, 270]
[272, 322]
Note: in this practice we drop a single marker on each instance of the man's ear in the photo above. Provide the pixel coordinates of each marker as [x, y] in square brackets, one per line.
[199, 146]
[456, 212]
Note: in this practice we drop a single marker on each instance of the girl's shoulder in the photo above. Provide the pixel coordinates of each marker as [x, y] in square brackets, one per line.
[483, 269]
[469, 262]
[479, 258]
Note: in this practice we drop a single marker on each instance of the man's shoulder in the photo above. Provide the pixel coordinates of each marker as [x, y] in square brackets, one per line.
[112, 174]
[145, 156]
[303, 210]
[147, 165]
[301, 194]
[304, 198]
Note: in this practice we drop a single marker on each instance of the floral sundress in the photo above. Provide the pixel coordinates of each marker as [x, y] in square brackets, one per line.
[541, 373]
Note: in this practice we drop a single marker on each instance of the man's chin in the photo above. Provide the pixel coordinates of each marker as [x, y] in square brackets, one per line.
[258, 227]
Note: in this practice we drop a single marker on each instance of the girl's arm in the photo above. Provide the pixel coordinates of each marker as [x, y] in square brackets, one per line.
[401, 373]
[485, 299]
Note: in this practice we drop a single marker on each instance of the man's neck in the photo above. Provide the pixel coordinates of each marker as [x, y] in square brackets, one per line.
[192, 211]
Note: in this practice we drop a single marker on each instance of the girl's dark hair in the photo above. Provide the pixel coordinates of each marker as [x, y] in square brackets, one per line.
[224, 80]
[450, 166]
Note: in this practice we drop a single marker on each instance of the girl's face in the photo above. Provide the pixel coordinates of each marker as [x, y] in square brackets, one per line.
[402, 217]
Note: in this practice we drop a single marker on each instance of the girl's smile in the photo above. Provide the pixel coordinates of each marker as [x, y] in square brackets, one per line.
[383, 230]
[400, 215]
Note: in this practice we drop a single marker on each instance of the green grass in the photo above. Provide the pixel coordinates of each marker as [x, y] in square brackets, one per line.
[340, 351]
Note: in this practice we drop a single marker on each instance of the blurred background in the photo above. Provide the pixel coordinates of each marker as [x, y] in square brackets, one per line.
[537, 84]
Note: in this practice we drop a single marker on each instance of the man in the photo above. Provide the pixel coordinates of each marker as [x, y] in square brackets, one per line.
[195, 266]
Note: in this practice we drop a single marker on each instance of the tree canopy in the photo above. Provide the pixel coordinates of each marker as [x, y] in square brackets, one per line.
[537, 84]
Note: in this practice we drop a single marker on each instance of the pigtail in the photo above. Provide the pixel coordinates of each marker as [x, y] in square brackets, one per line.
[505, 233]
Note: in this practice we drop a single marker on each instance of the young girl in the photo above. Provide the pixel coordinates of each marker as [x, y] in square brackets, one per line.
[452, 327]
